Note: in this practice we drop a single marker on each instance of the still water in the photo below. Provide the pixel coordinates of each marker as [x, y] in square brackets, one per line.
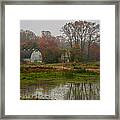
[47, 90]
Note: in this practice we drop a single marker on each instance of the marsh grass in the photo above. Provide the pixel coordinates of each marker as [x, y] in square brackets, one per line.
[77, 72]
[48, 76]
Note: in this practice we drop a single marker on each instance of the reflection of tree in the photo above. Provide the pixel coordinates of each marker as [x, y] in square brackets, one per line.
[83, 91]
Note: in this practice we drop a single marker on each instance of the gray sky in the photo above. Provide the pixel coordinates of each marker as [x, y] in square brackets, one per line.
[44, 25]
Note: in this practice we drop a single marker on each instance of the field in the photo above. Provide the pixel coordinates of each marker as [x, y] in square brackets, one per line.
[49, 76]
[62, 62]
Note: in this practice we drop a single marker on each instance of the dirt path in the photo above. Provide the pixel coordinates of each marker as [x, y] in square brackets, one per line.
[62, 68]
[93, 70]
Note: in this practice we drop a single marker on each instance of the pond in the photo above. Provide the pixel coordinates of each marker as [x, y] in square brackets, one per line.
[48, 90]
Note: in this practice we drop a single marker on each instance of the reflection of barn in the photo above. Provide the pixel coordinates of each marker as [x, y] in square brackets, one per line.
[36, 56]
[65, 57]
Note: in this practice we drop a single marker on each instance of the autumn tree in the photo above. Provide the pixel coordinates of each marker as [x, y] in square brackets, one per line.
[80, 35]
[49, 48]
[28, 42]
[27, 35]
[94, 52]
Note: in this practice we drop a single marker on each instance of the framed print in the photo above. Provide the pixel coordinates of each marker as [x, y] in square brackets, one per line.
[60, 60]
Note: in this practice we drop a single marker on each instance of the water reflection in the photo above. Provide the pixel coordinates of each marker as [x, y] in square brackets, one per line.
[64, 91]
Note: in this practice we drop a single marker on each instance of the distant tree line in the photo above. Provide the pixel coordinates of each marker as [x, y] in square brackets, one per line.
[81, 39]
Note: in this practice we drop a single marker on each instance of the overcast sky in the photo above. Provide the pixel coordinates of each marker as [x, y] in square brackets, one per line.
[37, 26]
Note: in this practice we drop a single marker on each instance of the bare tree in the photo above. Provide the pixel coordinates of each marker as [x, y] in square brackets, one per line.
[81, 34]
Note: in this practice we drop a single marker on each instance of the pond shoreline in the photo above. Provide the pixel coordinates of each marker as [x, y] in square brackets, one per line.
[50, 76]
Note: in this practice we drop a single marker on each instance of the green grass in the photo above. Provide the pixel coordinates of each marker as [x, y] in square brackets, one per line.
[34, 73]
[57, 77]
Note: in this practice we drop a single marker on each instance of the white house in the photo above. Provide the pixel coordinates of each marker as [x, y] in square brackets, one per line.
[65, 57]
[36, 56]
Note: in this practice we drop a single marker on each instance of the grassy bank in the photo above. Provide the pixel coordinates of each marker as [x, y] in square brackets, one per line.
[59, 73]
